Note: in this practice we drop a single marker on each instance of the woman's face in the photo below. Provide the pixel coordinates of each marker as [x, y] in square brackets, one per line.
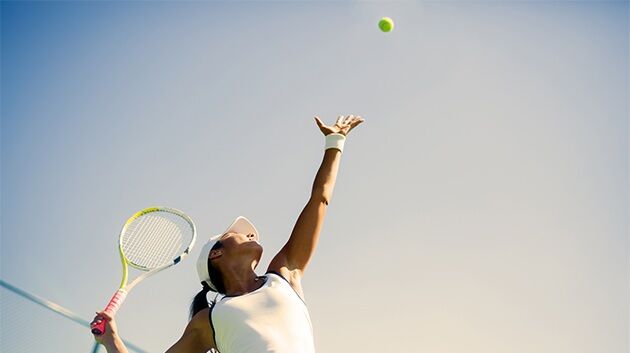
[241, 245]
[238, 239]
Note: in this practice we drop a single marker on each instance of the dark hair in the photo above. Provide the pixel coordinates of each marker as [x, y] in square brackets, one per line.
[200, 302]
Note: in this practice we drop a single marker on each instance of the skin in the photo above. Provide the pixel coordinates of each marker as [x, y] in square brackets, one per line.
[241, 254]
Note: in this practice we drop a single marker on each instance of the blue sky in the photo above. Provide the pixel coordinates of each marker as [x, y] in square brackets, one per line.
[482, 207]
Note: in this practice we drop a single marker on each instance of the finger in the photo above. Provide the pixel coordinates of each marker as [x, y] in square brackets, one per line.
[318, 121]
[358, 120]
[97, 317]
[355, 124]
[104, 315]
[339, 119]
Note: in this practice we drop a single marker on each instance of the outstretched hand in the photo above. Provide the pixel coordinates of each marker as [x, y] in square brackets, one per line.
[343, 125]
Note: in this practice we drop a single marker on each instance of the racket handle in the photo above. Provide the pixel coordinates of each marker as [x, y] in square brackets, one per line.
[111, 309]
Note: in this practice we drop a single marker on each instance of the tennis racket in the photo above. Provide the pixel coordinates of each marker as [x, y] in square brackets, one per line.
[152, 240]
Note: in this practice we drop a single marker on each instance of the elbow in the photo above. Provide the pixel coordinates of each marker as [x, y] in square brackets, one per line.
[320, 198]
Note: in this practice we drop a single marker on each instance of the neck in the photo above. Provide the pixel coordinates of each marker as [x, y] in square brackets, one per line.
[240, 279]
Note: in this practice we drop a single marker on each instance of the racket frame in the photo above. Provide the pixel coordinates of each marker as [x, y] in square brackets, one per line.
[149, 272]
[120, 295]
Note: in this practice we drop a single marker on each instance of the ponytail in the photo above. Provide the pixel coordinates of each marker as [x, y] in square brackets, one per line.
[199, 302]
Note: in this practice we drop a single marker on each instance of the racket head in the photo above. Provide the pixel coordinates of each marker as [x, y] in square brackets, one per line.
[156, 237]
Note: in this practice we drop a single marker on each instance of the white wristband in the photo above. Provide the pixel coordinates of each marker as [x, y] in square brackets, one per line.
[335, 140]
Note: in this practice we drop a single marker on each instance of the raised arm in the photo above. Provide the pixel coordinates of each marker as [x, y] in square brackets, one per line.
[293, 258]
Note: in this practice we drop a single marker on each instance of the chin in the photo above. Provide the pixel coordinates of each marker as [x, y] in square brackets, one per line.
[260, 251]
[255, 244]
[252, 246]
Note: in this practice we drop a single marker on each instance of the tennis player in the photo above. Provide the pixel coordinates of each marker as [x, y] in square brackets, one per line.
[256, 314]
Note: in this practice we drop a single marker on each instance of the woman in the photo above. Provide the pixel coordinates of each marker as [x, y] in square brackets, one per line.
[257, 313]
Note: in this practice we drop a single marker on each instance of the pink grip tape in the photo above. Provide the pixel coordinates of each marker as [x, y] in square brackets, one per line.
[120, 295]
[115, 302]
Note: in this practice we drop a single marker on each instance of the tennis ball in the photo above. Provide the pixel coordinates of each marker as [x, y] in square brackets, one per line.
[386, 24]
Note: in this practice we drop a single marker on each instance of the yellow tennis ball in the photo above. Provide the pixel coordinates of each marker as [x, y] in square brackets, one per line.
[386, 24]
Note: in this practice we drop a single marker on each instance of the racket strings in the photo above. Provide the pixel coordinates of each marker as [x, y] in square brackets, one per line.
[155, 239]
[168, 240]
[159, 238]
[157, 242]
[153, 242]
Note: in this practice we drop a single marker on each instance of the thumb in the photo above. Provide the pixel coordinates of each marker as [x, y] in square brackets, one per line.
[319, 122]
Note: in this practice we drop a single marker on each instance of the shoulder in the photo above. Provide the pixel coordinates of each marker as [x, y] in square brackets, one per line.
[201, 327]
[196, 337]
[294, 278]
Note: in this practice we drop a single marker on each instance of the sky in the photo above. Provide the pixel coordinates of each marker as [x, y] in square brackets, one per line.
[482, 207]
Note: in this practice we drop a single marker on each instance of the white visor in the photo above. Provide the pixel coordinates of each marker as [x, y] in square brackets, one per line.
[240, 225]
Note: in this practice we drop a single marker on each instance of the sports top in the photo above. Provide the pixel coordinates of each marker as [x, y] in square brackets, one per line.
[272, 318]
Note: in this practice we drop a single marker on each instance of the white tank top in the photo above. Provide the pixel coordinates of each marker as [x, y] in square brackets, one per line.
[272, 318]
